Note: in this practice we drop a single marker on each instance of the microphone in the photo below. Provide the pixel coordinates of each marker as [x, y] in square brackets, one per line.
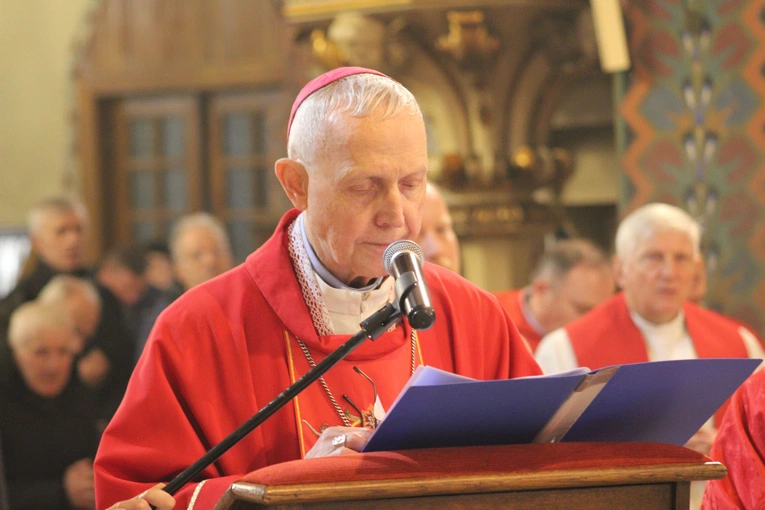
[403, 261]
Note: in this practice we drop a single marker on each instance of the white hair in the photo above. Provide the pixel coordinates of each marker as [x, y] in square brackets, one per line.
[358, 95]
[197, 220]
[55, 205]
[33, 317]
[650, 219]
[63, 287]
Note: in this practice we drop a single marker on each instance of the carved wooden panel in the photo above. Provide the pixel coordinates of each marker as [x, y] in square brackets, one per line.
[142, 52]
[145, 44]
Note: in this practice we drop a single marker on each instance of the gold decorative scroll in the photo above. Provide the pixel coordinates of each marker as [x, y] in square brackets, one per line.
[304, 9]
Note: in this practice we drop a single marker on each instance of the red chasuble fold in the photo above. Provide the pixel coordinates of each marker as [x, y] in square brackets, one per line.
[608, 336]
[740, 446]
[511, 302]
[222, 351]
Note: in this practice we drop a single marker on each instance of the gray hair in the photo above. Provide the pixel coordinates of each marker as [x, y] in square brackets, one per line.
[32, 317]
[358, 95]
[565, 255]
[62, 287]
[650, 219]
[56, 205]
[196, 220]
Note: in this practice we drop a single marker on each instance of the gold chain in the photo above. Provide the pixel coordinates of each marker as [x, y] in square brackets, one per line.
[343, 416]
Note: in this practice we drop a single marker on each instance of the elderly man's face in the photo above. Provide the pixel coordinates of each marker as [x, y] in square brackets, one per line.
[60, 240]
[45, 361]
[200, 256]
[366, 190]
[658, 277]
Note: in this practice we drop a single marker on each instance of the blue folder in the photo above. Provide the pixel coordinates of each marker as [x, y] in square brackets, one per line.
[663, 401]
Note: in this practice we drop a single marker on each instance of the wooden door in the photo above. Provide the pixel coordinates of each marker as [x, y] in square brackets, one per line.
[157, 167]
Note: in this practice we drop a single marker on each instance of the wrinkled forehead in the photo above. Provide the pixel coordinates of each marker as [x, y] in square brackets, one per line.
[45, 337]
[53, 218]
[663, 240]
[200, 236]
[82, 302]
[373, 140]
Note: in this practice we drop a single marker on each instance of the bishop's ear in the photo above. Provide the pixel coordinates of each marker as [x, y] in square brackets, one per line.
[294, 179]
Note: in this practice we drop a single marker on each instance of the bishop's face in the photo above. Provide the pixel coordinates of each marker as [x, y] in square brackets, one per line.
[366, 190]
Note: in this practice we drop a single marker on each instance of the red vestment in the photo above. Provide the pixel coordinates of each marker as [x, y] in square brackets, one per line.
[511, 302]
[608, 336]
[740, 445]
[229, 346]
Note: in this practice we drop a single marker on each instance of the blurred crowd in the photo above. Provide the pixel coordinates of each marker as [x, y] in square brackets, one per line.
[70, 336]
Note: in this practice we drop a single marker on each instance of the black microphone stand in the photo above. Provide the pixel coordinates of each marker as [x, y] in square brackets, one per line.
[371, 328]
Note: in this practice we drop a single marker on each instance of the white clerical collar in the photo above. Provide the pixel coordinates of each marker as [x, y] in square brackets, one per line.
[348, 307]
[524, 297]
[665, 341]
[324, 274]
[673, 327]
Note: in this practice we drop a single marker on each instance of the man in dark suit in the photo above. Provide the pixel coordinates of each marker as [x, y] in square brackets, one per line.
[58, 232]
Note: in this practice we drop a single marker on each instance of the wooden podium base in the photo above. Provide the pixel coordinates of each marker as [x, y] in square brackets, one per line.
[565, 475]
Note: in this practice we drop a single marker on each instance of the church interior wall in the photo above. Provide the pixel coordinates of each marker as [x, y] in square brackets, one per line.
[42, 41]
[37, 44]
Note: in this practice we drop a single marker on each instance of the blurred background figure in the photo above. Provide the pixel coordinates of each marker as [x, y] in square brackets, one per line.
[48, 418]
[4, 505]
[58, 231]
[120, 284]
[80, 299]
[699, 289]
[121, 271]
[200, 250]
[571, 278]
[159, 265]
[652, 319]
[437, 238]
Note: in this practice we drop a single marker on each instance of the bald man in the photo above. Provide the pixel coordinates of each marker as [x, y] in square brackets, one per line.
[437, 238]
[570, 279]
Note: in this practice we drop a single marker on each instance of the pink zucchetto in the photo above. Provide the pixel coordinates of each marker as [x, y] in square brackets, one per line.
[322, 81]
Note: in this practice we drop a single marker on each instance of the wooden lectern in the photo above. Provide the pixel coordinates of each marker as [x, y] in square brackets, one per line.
[562, 475]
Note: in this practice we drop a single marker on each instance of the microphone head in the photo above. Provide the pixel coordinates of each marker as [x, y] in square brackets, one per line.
[397, 247]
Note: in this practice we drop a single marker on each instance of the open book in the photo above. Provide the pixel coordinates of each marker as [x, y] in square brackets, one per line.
[662, 402]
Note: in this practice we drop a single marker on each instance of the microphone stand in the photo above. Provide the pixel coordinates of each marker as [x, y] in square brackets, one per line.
[371, 328]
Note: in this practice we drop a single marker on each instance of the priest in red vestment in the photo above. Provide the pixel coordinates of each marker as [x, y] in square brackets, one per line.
[570, 279]
[657, 249]
[356, 174]
[740, 445]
